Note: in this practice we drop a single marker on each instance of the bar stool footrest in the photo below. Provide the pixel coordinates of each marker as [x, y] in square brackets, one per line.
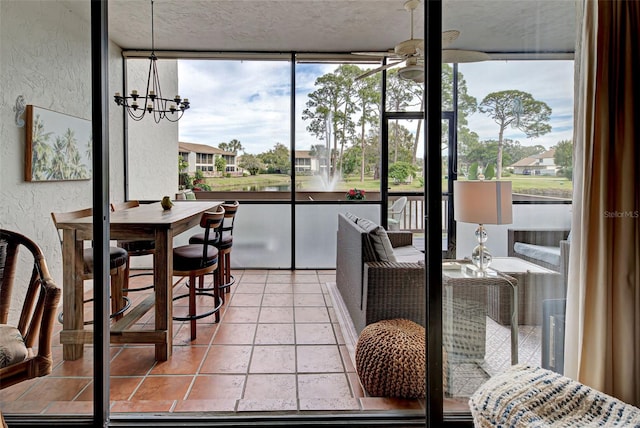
[203, 315]
[127, 305]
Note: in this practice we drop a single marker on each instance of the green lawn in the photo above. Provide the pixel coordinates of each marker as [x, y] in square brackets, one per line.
[551, 186]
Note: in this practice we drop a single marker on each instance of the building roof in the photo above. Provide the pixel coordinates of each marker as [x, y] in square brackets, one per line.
[533, 160]
[202, 148]
[303, 154]
[545, 155]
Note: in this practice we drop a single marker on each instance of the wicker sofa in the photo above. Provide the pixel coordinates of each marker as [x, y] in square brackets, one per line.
[545, 247]
[373, 289]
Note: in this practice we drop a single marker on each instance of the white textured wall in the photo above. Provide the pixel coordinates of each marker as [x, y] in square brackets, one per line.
[45, 56]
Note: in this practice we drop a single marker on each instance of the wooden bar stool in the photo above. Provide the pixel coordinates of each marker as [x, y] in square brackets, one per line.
[195, 261]
[135, 248]
[223, 241]
[117, 266]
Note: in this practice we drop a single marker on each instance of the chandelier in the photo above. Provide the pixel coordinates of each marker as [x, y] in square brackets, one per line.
[137, 106]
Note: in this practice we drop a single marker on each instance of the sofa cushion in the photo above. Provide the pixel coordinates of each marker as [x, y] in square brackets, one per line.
[408, 254]
[12, 347]
[379, 239]
[550, 255]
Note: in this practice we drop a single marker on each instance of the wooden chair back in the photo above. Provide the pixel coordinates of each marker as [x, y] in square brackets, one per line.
[70, 215]
[124, 205]
[37, 314]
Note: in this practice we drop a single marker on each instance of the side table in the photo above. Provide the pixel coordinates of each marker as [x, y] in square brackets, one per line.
[465, 309]
[535, 285]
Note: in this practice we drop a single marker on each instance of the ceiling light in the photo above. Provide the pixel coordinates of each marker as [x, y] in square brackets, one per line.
[412, 72]
[138, 105]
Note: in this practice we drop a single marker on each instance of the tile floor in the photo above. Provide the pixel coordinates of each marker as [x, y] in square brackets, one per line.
[278, 347]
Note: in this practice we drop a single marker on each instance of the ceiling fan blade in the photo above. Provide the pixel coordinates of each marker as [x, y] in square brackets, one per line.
[389, 53]
[376, 70]
[459, 56]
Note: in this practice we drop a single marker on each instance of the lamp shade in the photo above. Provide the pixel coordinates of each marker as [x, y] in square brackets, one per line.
[482, 202]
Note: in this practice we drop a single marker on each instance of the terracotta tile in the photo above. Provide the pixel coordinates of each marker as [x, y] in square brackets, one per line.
[221, 405]
[227, 359]
[268, 386]
[235, 334]
[306, 279]
[80, 367]
[275, 334]
[120, 388]
[315, 334]
[163, 388]
[267, 405]
[70, 408]
[248, 299]
[329, 404]
[277, 300]
[56, 389]
[309, 299]
[184, 360]
[254, 278]
[273, 359]
[384, 403]
[306, 287]
[455, 404]
[134, 361]
[276, 315]
[311, 314]
[14, 392]
[247, 287]
[205, 329]
[278, 288]
[327, 385]
[155, 406]
[208, 387]
[24, 407]
[278, 278]
[319, 359]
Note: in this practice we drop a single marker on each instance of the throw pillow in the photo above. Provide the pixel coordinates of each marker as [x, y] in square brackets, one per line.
[379, 239]
[382, 245]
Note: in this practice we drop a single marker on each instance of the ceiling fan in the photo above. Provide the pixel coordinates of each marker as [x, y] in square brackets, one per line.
[411, 53]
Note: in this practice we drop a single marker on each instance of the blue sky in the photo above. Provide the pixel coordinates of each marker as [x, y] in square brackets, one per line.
[228, 101]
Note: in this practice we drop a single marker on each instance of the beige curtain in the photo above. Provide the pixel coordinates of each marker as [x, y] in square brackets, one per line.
[602, 343]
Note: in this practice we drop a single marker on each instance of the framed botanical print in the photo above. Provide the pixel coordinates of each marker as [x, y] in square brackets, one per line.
[58, 146]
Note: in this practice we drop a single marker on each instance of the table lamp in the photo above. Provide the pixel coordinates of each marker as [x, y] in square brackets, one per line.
[482, 202]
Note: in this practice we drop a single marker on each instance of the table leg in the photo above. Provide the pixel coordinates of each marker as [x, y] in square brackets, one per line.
[73, 291]
[514, 322]
[163, 280]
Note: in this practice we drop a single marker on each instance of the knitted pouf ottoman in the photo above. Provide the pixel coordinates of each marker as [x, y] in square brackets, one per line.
[391, 359]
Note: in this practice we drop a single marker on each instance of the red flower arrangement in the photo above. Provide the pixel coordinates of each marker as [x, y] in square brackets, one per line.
[356, 194]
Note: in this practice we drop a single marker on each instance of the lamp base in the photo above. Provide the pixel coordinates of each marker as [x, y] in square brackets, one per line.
[473, 270]
[481, 257]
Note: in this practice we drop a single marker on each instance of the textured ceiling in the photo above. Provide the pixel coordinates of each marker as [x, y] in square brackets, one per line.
[493, 26]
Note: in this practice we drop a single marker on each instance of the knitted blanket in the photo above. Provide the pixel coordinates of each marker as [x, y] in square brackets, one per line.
[525, 396]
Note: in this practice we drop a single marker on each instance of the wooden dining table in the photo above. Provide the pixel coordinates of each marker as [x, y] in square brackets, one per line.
[145, 222]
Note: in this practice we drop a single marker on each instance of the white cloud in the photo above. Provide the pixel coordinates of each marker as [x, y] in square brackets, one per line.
[228, 101]
[548, 81]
